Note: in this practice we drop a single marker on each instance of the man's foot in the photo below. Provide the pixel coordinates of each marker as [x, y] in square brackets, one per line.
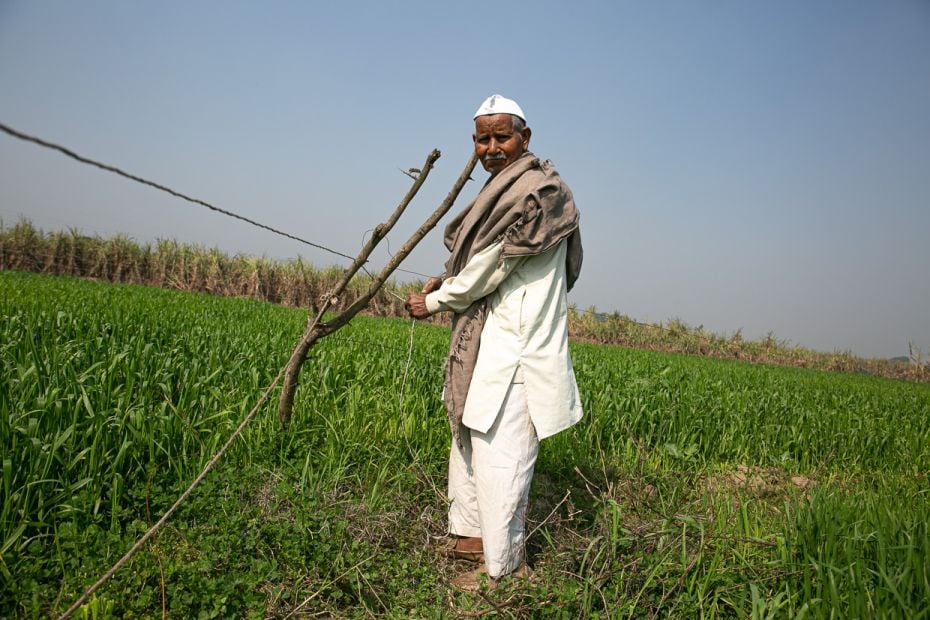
[523, 572]
[472, 580]
[468, 548]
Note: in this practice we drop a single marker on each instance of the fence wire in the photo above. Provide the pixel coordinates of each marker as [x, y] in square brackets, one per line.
[109, 168]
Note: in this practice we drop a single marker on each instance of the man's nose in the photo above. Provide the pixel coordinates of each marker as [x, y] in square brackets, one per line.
[493, 147]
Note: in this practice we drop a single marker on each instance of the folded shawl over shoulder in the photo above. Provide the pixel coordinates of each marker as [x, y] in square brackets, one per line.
[528, 208]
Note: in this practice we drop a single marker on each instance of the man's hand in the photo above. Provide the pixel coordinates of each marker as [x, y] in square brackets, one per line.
[416, 305]
[431, 285]
[416, 302]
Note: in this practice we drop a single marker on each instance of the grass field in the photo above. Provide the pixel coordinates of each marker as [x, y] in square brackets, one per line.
[692, 488]
[193, 268]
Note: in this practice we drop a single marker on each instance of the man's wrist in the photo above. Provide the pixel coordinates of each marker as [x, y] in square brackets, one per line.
[433, 305]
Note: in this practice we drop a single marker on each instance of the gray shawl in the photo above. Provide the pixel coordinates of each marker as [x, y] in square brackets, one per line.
[529, 209]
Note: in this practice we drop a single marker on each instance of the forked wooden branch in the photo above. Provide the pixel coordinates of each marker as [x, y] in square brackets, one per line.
[316, 328]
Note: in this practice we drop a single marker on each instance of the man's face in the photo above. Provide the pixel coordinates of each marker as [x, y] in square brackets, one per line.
[497, 144]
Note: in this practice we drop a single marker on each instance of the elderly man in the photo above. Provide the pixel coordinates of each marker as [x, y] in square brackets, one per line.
[515, 253]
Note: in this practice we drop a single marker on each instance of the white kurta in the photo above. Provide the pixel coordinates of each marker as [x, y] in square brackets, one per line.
[525, 336]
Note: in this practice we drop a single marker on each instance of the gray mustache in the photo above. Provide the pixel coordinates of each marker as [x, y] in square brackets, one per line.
[497, 157]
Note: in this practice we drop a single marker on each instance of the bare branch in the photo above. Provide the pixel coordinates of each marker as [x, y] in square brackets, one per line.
[316, 329]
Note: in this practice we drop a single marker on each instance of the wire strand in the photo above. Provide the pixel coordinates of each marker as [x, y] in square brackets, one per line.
[158, 186]
[152, 530]
[86, 160]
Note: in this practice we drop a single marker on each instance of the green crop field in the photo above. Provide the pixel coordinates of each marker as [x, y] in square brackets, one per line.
[692, 488]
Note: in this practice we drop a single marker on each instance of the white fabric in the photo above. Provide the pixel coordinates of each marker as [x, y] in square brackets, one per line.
[526, 329]
[495, 104]
[489, 484]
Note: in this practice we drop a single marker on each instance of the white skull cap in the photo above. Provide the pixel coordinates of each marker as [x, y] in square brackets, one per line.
[496, 104]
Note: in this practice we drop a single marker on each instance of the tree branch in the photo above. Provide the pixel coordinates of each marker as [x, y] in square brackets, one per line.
[316, 329]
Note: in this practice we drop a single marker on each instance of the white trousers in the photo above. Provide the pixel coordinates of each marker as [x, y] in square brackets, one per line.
[489, 483]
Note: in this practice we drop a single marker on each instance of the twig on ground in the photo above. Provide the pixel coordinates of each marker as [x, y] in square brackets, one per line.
[326, 584]
[152, 530]
[495, 607]
[549, 516]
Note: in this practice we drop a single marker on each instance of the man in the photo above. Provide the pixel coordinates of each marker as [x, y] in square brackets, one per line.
[515, 253]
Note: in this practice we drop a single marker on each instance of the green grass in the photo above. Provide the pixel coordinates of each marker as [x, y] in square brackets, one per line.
[189, 267]
[692, 488]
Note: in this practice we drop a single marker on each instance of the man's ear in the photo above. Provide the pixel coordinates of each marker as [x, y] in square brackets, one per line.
[526, 132]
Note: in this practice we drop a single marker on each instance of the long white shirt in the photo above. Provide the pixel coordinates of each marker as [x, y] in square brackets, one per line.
[525, 337]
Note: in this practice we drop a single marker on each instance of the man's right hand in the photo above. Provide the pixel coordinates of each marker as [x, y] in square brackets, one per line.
[431, 285]
[416, 305]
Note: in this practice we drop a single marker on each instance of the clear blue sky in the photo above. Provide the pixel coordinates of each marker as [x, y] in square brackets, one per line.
[751, 165]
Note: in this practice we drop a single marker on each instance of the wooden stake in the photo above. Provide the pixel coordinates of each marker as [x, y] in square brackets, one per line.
[316, 329]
